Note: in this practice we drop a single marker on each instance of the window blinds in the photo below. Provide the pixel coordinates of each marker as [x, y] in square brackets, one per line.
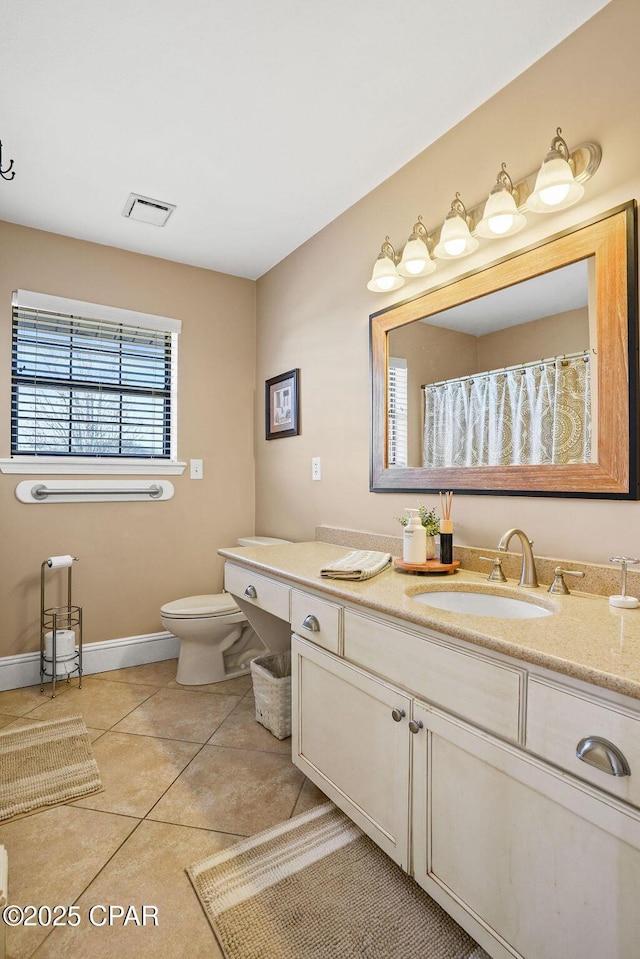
[397, 412]
[90, 385]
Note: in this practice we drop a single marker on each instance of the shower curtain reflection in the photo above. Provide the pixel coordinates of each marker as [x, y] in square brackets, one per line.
[533, 414]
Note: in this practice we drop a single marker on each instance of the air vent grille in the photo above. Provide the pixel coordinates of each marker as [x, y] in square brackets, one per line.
[143, 208]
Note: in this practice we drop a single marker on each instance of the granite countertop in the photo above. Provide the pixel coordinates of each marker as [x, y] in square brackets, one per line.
[585, 638]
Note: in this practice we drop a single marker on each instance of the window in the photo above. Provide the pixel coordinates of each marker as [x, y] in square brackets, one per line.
[397, 406]
[91, 381]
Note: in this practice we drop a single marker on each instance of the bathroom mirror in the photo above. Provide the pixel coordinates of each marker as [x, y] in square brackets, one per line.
[517, 378]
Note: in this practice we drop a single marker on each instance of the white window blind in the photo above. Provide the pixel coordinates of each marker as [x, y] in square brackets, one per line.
[91, 381]
[397, 412]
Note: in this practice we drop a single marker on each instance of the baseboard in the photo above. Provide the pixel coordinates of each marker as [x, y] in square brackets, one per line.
[24, 669]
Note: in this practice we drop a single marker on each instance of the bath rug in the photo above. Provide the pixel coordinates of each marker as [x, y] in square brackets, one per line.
[45, 764]
[315, 887]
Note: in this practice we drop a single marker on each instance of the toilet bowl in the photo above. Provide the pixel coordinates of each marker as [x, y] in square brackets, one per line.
[216, 640]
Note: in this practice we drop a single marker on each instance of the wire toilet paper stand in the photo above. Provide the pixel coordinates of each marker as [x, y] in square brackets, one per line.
[58, 621]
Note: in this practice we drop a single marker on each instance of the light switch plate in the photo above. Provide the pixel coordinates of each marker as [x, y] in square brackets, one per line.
[195, 469]
[316, 468]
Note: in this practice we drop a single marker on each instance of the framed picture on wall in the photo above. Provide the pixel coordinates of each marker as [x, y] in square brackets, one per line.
[281, 405]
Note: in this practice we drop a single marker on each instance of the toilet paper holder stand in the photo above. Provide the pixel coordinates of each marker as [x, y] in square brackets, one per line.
[53, 621]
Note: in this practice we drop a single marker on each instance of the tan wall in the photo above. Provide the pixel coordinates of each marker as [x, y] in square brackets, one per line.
[527, 342]
[313, 308]
[135, 556]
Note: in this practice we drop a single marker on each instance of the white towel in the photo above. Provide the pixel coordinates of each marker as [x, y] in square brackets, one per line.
[360, 564]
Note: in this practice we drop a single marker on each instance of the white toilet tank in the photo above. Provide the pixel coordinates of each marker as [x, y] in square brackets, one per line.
[260, 541]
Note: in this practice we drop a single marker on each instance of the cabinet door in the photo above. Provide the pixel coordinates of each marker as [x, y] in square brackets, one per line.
[531, 863]
[347, 742]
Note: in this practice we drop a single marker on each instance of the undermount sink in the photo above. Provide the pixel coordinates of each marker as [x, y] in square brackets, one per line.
[482, 604]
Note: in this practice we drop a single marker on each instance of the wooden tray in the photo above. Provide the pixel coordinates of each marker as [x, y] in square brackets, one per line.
[431, 566]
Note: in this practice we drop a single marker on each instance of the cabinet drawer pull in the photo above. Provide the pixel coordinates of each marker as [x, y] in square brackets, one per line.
[603, 755]
[310, 622]
[416, 725]
[397, 715]
[251, 592]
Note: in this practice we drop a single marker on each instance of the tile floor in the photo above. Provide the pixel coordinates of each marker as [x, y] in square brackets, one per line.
[186, 771]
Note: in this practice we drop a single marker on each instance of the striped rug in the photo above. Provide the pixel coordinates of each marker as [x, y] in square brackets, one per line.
[44, 764]
[315, 887]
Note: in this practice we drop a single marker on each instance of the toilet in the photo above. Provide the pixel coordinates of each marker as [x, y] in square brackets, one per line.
[217, 641]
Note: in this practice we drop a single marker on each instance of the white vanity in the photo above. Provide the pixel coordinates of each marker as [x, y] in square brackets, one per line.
[451, 740]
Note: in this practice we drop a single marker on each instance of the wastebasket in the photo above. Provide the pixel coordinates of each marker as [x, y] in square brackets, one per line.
[271, 678]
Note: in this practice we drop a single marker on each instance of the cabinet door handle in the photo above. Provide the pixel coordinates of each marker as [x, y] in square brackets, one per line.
[310, 622]
[251, 592]
[397, 715]
[603, 755]
[415, 725]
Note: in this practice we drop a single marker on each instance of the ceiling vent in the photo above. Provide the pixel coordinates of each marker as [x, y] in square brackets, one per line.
[143, 208]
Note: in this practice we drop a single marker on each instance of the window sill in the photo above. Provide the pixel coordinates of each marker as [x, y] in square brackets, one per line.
[37, 465]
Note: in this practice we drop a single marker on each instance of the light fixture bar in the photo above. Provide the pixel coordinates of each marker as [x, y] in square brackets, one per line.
[584, 161]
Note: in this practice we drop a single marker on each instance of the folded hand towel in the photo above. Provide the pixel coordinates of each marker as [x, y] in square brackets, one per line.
[360, 564]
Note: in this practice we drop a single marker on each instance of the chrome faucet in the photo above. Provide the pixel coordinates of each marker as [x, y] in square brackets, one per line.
[528, 575]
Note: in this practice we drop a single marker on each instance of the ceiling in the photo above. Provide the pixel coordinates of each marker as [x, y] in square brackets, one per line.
[262, 120]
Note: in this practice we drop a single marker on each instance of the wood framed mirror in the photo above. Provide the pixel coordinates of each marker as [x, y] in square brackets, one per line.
[546, 314]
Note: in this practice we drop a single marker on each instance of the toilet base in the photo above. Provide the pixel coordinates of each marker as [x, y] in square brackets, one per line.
[202, 664]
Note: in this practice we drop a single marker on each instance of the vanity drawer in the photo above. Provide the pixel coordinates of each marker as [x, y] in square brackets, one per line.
[252, 588]
[560, 719]
[480, 690]
[316, 620]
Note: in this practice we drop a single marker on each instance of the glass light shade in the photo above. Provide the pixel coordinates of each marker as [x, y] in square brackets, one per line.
[455, 239]
[415, 258]
[555, 187]
[385, 275]
[501, 217]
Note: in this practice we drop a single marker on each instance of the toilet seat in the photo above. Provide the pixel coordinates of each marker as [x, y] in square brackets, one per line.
[200, 607]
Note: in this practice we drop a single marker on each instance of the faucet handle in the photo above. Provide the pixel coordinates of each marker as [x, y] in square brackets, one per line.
[558, 585]
[497, 573]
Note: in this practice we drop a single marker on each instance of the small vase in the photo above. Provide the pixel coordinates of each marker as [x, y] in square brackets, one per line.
[431, 547]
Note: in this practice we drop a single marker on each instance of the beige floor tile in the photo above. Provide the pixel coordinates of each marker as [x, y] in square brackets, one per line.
[19, 702]
[176, 714]
[309, 797]
[53, 855]
[149, 869]
[100, 703]
[152, 674]
[242, 730]
[228, 687]
[135, 771]
[239, 791]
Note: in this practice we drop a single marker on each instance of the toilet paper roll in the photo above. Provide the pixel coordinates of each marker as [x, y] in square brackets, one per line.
[65, 645]
[55, 562]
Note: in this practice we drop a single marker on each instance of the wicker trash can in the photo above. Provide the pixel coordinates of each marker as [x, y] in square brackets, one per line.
[271, 678]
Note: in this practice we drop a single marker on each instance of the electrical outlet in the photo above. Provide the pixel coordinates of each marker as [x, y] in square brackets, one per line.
[316, 468]
[195, 469]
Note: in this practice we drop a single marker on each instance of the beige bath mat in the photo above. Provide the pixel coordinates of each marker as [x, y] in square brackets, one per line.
[316, 887]
[44, 764]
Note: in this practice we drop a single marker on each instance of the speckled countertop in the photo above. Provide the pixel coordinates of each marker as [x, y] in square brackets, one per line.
[585, 638]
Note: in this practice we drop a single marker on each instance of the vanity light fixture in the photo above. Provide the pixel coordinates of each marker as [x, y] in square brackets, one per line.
[555, 187]
[455, 236]
[385, 276]
[416, 259]
[501, 216]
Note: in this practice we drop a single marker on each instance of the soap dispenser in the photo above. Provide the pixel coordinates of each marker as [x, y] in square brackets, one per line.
[414, 540]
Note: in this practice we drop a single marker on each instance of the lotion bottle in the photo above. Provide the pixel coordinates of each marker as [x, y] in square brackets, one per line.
[414, 540]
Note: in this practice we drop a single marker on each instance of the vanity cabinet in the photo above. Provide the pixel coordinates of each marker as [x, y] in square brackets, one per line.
[350, 737]
[541, 865]
[425, 745]
[461, 765]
